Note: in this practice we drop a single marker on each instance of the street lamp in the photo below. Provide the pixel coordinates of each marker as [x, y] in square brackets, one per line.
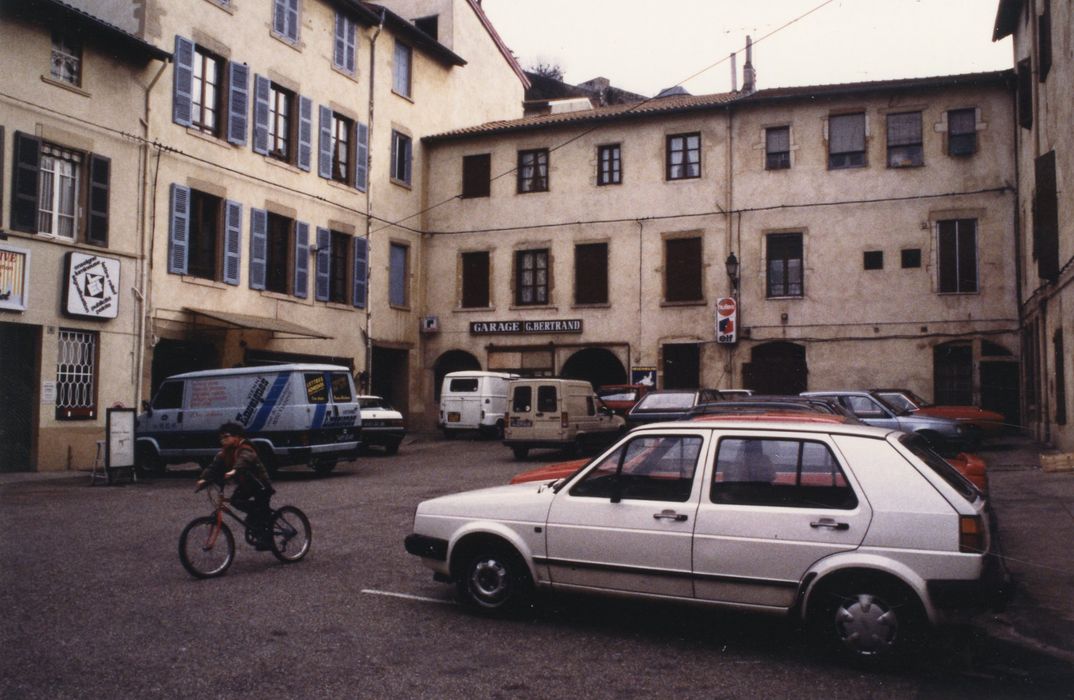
[731, 265]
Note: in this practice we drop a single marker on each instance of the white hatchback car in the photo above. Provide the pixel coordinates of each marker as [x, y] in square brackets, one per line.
[863, 532]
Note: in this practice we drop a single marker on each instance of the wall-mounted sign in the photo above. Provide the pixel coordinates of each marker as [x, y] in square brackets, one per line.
[726, 320]
[643, 375]
[92, 286]
[525, 327]
[14, 277]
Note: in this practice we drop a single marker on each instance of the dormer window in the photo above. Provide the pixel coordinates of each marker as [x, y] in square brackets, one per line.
[428, 25]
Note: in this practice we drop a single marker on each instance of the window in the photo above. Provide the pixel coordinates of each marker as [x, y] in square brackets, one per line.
[341, 387]
[278, 250]
[784, 265]
[591, 273]
[212, 95]
[785, 473]
[874, 260]
[609, 165]
[316, 388]
[401, 69]
[904, 140]
[399, 275]
[76, 369]
[204, 235]
[342, 128]
[962, 132]
[777, 148]
[531, 277]
[958, 256]
[339, 273]
[401, 157]
[682, 269]
[285, 19]
[911, 258]
[283, 124]
[281, 106]
[1046, 216]
[1044, 41]
[650, 468]
[66, 64]
[1025, 93]
[476, 175]
[475, 280]
[521, 399]
[279, 254]
[204, 241]
[205, 104]
[344, 45]
[546, 399]
[846, 141]
[1060, 378]
[169, 395]
[683, 156]
[59, 192]
[533, 171]
[338, 267]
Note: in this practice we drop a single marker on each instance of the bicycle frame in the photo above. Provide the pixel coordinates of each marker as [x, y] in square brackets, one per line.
[220, 509]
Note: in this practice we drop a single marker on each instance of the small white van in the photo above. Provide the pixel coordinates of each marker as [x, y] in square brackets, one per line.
[473, 400]
[558, 413]
[294, 414]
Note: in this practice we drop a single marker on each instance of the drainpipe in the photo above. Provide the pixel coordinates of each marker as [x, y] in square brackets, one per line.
[369, 210]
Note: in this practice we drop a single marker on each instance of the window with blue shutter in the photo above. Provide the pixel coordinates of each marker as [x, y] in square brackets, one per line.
[397, 274]
[179, 229]
[305, 132]
[361, 259]
[238, 102]
[324, 257]
[262, 111]
[285, 19]
[344, 47]
[324, 142]
[361, 158]
[182, 92]
[258, 247]
[401, 157]
[232, 241]
[302, 259]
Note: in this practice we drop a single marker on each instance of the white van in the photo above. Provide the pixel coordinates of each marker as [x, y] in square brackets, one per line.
[294, 414]
[473, 400]
[558, 413]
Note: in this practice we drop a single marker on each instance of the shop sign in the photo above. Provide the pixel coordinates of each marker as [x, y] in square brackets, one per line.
[92, 286]
[643, 375]
[525, 327]
[726, 320]
[14, 277]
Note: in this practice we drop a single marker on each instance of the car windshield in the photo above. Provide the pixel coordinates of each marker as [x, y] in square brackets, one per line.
[373, 402]
[923, 451]
[618, 394]
[663, 402]
[901, 403]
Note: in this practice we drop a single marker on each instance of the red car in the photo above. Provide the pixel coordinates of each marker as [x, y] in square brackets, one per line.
[621, 397]
[906, 400]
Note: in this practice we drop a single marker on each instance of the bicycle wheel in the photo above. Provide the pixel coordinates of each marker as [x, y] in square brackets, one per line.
[291, 534]
[206, 550]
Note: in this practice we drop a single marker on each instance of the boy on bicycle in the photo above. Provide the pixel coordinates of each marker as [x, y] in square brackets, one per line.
[238, 460]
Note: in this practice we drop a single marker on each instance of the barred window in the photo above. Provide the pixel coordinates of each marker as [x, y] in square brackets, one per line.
[66, 62]
[76, 367]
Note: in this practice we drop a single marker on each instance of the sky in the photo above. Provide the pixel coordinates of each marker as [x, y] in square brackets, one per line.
[645, 46]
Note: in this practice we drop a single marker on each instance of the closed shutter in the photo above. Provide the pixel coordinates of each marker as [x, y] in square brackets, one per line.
[361, 258]
[232, 241]
[238, 102]
[683, 269]
[183, 90]
[27, 168]
[361, 157]
[302, 259]
[1046, 217]
[324, 258]
[324, 143]
[97, 221]
[344, 46]
[258, 247]
[408, 156]
[305, 132]
[350, 38]
[292, 20]
[262, 88]
[179, 230]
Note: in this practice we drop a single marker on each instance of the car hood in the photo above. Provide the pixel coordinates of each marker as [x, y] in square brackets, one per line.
[961, 413]
[525, 502]
[550, 472]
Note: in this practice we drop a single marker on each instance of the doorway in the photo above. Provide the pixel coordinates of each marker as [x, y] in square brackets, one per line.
[776, 368]
[390, 377]
[682, 365]
[18, 348]
[178, 356]
[595, 365]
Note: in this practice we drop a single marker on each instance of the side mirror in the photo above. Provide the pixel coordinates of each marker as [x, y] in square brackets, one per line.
[147, 408]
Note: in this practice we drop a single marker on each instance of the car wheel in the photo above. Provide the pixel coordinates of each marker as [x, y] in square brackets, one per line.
[449, 434]
[499, 430]
[868, 619]
[323, 466]
[391, 447]
[494, 580]
[520, 452]
[146, 461]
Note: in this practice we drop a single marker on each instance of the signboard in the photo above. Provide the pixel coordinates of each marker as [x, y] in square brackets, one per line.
[525, 327]
[92, 286]
[726, 320]
[120, 427]
[643, 375]
[14, 277]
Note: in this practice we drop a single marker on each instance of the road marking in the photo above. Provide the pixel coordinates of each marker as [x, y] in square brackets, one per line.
[407, 596]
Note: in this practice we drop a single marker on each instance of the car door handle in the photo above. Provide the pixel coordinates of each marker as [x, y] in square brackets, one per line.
[830, 524]
[670, 515]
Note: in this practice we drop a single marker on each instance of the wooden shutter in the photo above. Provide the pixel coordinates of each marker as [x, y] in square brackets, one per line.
[591, 273]
[24, 182]
[475, 280]
[179, 230]
[361, 157]
[305, 132]
[476, 175]
[292, 20]
[324, 143]
[279, 17]
[238, 102]
[232, 241]
[258, 247]
[183, 85]
[1046, 217]
[324, 261]
[350, 38]
[262, 114]
[683, 269]
[361, 258]
[302, 259]
[97, 221]
[408, 157]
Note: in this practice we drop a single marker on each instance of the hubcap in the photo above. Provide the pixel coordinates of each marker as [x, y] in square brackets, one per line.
[866, 625]
[488, 580]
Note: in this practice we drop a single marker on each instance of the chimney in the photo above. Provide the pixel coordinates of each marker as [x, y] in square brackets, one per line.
[749, 75]
[734, 72]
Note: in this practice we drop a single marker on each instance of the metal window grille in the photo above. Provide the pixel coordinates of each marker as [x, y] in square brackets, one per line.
[66, 59]
[76, 386]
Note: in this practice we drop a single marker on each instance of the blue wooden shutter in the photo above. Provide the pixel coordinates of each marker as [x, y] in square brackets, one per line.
[361, 157]
[324, 260]
[279, 17]
[408, 156]
[397, 275]
[302, 259]
[179, 229]
[97, 224]
[350, 38]
[292, 20]
[393, 167]
[361, 259]
[344, 45]
[305, 132]
[25, 182]
[258, 246]
[183, 86]
[324, 145]
[232, 241]
[262, 87]
[238, 102]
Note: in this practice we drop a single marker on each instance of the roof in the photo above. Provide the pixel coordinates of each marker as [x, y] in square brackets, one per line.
[872, 86]
[1006, 18]
[407, 31]
[783, 425]
[64, 14]
[261, 369]
[475, 5]
[261, 323]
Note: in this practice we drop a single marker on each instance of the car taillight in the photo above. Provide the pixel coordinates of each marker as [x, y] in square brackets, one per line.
[563, 422]
[971, 535]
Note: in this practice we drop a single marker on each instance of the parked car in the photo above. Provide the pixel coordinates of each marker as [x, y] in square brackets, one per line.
[381, 424]
[763, 404]
[668, 404]
[947, 435]
[621, 397]
[864, 533]
[990, 422]
[474, 400]
[558, 414]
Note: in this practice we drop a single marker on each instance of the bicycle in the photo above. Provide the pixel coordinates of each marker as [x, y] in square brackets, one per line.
[207, 547]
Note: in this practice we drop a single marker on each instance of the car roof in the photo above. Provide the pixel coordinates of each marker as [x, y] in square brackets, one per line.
[788, 425]
[261, 369]
[776, 416]
[479, 373]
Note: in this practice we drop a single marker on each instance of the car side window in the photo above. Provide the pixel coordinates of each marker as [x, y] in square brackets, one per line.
[864, 407]
[170, 395]
[649, 468]
[341, 387]
[522, 399]
[788, 473]
[590, 407]
[546, 399]
[467, 385]
[316, 388]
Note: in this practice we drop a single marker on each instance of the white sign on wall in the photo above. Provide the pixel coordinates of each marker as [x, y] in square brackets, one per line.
[726, 320]
[92, 286]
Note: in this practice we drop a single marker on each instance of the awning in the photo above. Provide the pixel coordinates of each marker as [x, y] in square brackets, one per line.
[276, 326]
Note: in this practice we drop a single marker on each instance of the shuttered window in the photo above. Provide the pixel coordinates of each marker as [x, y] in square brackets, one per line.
[783, 265]
[958, 256]
[1046, 217]
[682, 269]
[285, 15]
[398, 275]
[591, 273]
[904, 140]
[531, 277]
[777, 148]
[475, 280]
[846, 141]
[344, 47]
[476, 175]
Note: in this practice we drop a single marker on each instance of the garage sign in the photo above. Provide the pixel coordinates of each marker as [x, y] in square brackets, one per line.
[726, 320]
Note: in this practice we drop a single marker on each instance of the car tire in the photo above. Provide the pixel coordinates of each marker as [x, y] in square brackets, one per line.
[521, 452]
[391, 447]
[323, 466]
[147, 462]
[869, 620]
[493, 580]
[449, 434]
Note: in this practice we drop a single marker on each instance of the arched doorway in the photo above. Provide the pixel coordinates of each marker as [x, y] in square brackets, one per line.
[595, 365]
[776, 368]
[451, 361]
